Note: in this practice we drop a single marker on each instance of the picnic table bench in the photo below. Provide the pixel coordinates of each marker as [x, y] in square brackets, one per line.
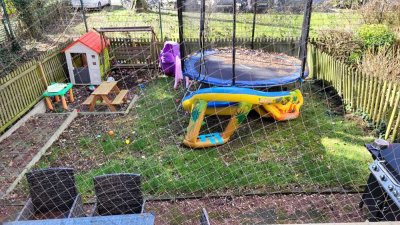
[102, 93]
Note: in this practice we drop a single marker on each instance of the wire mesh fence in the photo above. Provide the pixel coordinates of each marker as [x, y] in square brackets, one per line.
[125, 152]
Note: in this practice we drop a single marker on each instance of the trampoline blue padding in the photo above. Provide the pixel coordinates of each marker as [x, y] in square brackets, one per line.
[266, 70]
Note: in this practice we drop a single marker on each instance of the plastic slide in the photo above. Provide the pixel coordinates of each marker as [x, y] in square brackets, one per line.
[236, 102]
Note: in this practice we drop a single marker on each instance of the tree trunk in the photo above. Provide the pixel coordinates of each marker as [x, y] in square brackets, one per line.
[133, 5]
[28, 15]
[8, 35]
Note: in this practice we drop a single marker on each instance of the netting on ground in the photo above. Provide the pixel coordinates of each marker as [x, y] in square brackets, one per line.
[122, 152]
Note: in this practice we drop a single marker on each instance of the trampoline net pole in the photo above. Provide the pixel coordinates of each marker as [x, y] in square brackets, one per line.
[180, 23]
[202, 36]
[304, 36]
[254, 23]
[160, 18]
[234, 44]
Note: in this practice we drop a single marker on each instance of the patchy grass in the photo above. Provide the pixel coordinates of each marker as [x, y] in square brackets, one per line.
[219, 25]
[313, 152]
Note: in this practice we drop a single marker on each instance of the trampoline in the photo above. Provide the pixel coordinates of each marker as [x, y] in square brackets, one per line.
[253, 68]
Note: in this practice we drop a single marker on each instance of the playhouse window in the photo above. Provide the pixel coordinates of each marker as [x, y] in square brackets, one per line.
[79, 60]
[93, 56]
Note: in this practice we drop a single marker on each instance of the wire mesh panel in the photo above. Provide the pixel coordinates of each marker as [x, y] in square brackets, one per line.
[209, 101]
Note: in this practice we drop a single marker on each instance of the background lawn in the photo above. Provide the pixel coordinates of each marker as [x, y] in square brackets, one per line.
[316, 151]
[219, 25]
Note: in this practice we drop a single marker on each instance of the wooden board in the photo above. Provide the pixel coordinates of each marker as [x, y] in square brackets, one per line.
[119, 99]
[105, 88]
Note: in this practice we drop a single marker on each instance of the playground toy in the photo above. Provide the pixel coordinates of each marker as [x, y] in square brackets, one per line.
[58, 90]
[168, 57]
[101, 94]
[236, 102]
[85, 59]
[235, 71]
[215, 68]
[170, 62]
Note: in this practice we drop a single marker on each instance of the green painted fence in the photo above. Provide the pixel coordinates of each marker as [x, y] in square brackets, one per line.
[22, 89]
[368, 93]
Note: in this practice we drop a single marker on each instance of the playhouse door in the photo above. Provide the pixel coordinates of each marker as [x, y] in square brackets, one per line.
[81, 75]
[81, 69]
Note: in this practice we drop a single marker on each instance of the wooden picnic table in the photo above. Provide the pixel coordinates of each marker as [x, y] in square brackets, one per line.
[106, 88]
[102, 92]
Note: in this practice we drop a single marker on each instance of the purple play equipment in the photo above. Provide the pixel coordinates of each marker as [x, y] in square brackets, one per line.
[170, 62]
[167, 57]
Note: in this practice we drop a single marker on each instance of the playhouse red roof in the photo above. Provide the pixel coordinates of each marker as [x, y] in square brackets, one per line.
[91, 40]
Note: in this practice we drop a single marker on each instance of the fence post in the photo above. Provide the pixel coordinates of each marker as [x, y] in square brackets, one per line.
[396, 127]
[389, 126]
[43, 75]
[359, 89]
[353, 88]
[373, 97]
[310, 61]
[379, 98]
[386, 104]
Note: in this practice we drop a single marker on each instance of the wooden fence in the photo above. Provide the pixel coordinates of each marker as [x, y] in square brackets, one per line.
[23, 88]
[367, 93]
[134, 51]
[288, 46]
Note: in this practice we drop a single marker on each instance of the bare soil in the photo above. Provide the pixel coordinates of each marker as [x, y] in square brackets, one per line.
[91, 126]
[269, 209]
[333, 99]
[18, 149]
[257, 58]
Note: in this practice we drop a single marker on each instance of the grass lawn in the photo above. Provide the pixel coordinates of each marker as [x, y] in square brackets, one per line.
[219, 25]
[316, 151]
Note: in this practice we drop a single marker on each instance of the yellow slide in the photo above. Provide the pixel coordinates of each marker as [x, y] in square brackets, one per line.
[236, 102]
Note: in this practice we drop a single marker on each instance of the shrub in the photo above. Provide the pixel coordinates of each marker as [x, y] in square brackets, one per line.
[376, 35]
[345, 4]
[355, 57]
[52, 13]
[381, 11]
[340, 44]
[383, 63]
